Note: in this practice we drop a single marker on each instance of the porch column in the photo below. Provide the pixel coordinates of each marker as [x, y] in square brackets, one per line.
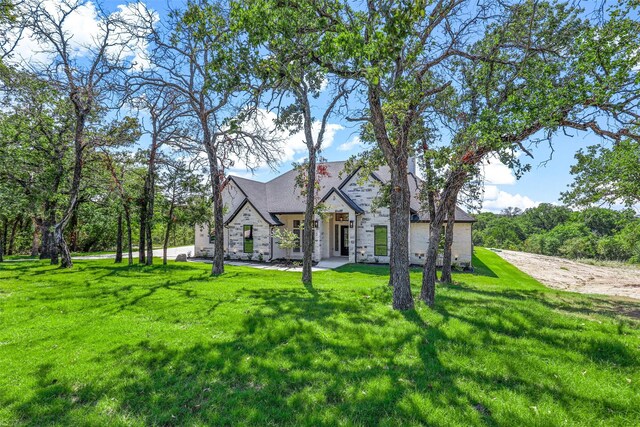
[352, 236]
[318, 235]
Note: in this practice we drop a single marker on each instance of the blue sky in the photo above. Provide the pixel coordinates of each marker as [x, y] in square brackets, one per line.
[543, 183]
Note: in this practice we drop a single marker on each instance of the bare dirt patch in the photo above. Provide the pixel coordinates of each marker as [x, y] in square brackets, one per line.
[560, 273]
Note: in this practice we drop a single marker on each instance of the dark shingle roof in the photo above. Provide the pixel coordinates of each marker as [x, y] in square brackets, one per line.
[281, 195]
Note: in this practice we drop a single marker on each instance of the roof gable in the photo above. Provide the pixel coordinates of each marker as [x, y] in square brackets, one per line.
[281, 195]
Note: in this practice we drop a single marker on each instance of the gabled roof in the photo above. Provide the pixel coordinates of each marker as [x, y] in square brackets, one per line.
[269, 218]
[282, 196]
[353, 205]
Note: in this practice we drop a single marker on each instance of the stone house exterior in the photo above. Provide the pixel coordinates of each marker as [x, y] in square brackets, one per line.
[350, 226]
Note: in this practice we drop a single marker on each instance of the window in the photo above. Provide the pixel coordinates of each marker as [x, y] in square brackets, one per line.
[212, 236]
[380, 240]
[344, 216]
[296, 231]
[247, 237]
[337, 238]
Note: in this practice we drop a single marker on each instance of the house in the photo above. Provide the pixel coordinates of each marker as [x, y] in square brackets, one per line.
[350, 226]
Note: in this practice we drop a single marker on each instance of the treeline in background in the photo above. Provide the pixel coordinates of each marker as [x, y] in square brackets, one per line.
[592, 233]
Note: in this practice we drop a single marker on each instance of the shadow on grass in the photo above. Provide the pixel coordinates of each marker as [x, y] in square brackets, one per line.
[316, 356]
[481, 269]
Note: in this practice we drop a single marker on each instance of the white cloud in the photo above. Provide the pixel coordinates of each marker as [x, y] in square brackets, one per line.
[495, 200]
[84, 28]
[292, 147]
[496, 172]
[353, 143]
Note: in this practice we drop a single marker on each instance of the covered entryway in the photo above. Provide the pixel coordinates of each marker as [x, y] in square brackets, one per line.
[344, 240]
[337, 236]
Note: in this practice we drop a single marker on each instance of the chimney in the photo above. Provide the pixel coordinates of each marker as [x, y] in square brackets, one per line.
[411, 165]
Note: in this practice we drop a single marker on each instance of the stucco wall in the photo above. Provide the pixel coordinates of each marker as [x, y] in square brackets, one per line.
[287, 220]
[462, 244]
[419, 242]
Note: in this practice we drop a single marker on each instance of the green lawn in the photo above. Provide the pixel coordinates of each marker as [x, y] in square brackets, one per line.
[106, 344]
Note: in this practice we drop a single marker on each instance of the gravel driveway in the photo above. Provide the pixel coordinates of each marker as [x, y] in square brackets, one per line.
[560, 273]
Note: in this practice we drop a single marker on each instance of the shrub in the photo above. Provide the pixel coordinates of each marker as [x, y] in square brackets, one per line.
[579, 247]
[613, 248]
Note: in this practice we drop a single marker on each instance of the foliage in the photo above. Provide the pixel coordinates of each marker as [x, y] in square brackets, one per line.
[286, 238]
[608, 175]
[118, 345]
[556, 230]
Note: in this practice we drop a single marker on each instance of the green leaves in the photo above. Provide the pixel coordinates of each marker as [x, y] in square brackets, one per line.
[606, 174]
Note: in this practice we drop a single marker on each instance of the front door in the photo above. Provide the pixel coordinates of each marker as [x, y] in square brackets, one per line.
[344, 240]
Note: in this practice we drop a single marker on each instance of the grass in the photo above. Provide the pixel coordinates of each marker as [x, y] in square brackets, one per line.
[105, 344]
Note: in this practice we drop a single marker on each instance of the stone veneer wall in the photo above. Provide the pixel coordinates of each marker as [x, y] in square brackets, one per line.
[261, 235]
[364, 194]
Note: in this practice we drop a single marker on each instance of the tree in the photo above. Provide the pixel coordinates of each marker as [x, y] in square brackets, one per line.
[304, 85]
[606, 175]
[532, 57]
[511, 211]
[197, 56]
[182, 200]
[392, 49]
[35, 135]
[85, 79]
[288, 71]
[287, 240]
[546, 216]
[166, 110]
[117, 177]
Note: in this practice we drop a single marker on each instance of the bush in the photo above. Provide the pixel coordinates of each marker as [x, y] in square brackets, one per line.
[579, 247]
[534, 243]
[551, 245]
[613, 248]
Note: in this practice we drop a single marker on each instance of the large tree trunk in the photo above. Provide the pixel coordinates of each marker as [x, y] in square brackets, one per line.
[452, 186]
[431, 201]
[307, 230]
[149, 197]
[445, 277]
[399, 230]
[149, 230]
[53, 246]
[65, 254]
[429, 277]
[396, 155]
[127, 217]
[45, 246]
[74, 192]
[48, 247]
[218, 209]
[119, 240]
